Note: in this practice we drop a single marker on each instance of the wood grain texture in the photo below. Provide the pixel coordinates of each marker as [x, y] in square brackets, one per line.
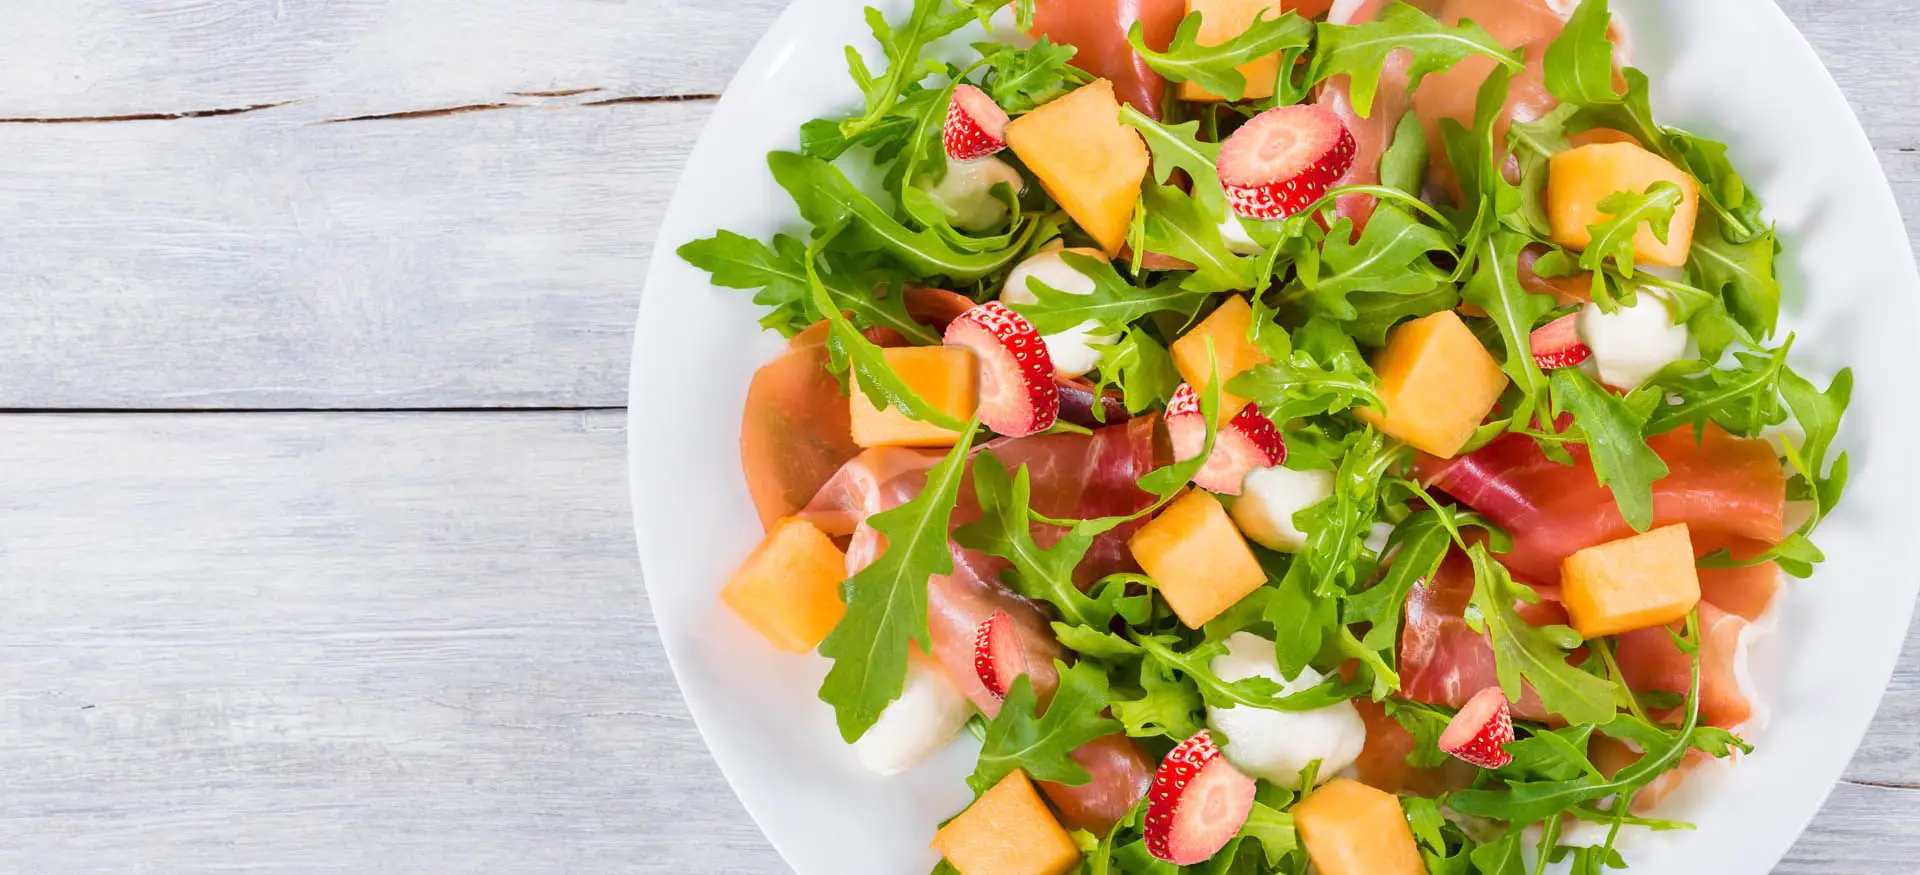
[415, 643]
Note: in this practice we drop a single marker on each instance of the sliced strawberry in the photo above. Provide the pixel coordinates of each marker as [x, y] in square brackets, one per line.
[1284, 159]
[1557, 344]
[1245, 442]
[1197, 803]
[1480, 733]
[997, 655]
[1018, 394]
[976, 126]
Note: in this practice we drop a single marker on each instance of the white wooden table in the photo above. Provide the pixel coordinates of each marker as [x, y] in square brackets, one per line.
[315, 553]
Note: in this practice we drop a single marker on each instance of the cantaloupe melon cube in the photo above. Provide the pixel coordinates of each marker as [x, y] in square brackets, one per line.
[1086, 159]
[943, 375]
[1232, 352]
[1579, 179]
[1197, 557]
[1008, 831]
[1633, 583]
[1350, 828]
[789, 587]
[1222, 20]
[1437, 383]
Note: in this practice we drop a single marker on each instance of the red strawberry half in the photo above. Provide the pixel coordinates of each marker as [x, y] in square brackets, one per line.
[1245, 442]
[1018, 394]
[976, 126]
[1480, 733]
[1557, 344]
[1197, 803]
[1284, 159]
[997, 657]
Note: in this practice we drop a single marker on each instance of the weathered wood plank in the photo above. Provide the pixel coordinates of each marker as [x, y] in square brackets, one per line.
[341, 644]
[90, 58]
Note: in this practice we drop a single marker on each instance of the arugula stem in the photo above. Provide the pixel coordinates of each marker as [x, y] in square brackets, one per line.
[1605, 648]
[1384, 193]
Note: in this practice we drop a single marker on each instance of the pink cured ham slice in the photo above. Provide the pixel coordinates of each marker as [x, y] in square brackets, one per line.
[1373, 133]
[1649, 660]
[1719, 485]
[1098, 29]
[1443, 661]
[1072, 476]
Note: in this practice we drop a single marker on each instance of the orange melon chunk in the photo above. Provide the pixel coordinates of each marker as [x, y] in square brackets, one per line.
[789, 588]
[1221, 21]
[1086, 159]
[1232, 351]
[1437, 383]
[1197, 557]
[1008, 831]
[1579, 179]
[943, 375]
[1352, 829]
[1633, 583]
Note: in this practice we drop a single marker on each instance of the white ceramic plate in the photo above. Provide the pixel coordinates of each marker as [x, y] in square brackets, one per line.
[1731, 69]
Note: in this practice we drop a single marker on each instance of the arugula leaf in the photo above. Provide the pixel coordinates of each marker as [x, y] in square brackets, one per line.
[902, 49]
[1300, 620]
[1615, 436]
[1425, 723]
[1741, 273]
[1495, 288]
[1113, 302]
[1533, 145]
[1020, 80]
[1479, 163]
[1299, 383]
[1626, 212]
[1178, 225]
[1376, 313]
[1404, 164]
[1005, 529]
[1390, 256]
[1253, 692]
[1417, 546]
[1179, 147]
[1579, 63]
[1360, 51]
[1168, 706]
[1216, 67]
[827, 199]
[1038, 743]
[1533, 655]
[1141, 368]
[1818, 414]
[1743, 399]
[1338, 527]
[779, 271]
[1274, 831]
[887, 600]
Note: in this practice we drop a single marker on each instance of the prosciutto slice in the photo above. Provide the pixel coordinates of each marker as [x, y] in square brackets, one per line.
[1072, 476]
[1719, 485]
[1649, 660]
[1443, 661]
[1098, 29]
[1373, 133]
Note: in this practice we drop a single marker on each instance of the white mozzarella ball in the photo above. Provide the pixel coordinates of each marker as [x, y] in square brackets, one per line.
[1072, 350]
[1632, 344]
[1276, 745]
[967, 190]
[1269, 497]
[926, 717]
[1239, 242]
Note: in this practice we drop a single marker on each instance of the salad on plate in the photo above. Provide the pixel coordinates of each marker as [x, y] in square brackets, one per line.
[1288, 435]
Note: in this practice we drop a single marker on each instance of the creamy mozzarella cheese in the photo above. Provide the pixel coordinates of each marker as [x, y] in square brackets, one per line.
[1276, 745]
[1269, 497]
[926, 717]
[1633, 343]
[967, 190]
[1072, 350]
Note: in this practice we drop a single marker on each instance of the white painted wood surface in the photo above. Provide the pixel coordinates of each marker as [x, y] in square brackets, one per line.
[414, 642]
